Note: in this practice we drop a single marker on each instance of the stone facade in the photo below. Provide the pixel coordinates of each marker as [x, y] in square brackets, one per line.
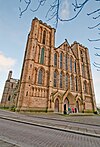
[54, 79]
[10, 92]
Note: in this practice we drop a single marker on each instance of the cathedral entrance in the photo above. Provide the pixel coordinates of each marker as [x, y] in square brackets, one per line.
[57, 105]
[66, 105]
[77, 106]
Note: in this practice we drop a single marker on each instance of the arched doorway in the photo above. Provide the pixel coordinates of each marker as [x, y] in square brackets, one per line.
[57, 105]
[77, 106]
[72, 101]
[66, 104]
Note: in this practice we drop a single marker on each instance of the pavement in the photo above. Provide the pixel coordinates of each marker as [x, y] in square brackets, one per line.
[6, 144]
[24, 135]
[87, 125]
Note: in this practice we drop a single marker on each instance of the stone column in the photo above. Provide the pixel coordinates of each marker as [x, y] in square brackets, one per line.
[80, 74]
[91, 82]
[51, 73]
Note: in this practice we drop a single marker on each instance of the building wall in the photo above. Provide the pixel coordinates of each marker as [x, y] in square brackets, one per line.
[54, 79]
[10, 92]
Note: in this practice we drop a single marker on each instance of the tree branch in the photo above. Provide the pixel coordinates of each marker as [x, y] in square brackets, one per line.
[78, 7]
[96, 65]
[94, 26]
[41, 3]
[93, 12]
[94, 39]
[27, 6]
[96, 48]
[97, 54]
[96, 17]
[53, 11]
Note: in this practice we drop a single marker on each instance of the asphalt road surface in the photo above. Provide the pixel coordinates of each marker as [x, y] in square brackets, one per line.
[25, 135]
[84, 124]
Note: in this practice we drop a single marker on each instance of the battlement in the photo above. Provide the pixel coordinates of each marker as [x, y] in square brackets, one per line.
[43, 23]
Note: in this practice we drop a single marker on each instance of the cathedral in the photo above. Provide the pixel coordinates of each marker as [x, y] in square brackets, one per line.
[54, 79]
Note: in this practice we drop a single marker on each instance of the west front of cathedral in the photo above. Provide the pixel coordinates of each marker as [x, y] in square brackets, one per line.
[54, 79]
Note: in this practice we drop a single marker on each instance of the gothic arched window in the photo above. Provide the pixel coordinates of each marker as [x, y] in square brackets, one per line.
[40, 75]
[71, 64]
[55, 59]
[66, 63]
[49, 38]
[81, 58]
[55, 79]
[71, 83]
[83, 70]
[9, 98]
[66, 82]
[61, 80]
[42, 56]
[27, 93]
[40, 33]
[75, 66]
[44, 37]
[76, 84]
[85, 87]
[61, 60]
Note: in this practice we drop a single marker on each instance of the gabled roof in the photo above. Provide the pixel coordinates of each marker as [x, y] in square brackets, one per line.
[69, 47]
[75, 42]
[64, 43]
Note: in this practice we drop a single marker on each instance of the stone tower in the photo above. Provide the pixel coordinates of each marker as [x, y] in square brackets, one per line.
[54, 79]
[8, 98]
[37, 61]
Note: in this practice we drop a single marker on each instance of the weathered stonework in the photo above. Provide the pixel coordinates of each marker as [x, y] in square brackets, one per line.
[72, 84]
[10, 92]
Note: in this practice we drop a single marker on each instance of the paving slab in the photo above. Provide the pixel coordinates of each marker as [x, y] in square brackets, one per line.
[6, 144]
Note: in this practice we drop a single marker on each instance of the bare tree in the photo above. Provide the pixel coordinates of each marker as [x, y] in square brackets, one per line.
[54, 9]
[53, 13]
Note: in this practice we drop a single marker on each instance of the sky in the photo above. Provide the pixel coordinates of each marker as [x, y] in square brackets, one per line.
[14, 31]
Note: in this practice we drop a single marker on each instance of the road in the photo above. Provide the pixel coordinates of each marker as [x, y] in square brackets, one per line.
[26, 135]
[84, 124]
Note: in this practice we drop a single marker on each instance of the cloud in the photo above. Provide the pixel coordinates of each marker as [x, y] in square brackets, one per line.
[64, 12]
[6, 62]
